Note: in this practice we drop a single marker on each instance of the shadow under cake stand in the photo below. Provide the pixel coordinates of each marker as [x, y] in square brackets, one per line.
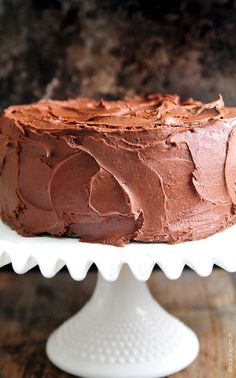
[122, 331]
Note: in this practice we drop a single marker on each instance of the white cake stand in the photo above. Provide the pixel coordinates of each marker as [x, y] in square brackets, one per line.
[122, 331]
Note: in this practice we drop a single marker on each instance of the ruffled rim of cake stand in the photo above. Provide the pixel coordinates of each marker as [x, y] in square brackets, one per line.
[51, 254]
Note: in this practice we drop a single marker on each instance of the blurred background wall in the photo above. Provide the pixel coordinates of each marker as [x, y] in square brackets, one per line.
[112, 48]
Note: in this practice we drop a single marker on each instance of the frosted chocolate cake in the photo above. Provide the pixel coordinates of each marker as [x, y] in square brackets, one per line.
[146, 169]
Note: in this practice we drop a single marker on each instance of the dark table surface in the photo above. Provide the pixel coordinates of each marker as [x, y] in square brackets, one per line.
[31, 307]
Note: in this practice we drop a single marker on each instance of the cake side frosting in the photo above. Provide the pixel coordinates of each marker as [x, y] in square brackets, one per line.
[147, 169]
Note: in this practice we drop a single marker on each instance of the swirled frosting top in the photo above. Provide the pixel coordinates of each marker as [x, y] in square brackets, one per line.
[128, 114]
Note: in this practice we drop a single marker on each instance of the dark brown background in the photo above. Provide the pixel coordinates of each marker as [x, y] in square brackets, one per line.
[60, 49]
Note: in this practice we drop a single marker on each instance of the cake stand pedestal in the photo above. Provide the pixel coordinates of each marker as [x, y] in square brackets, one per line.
[122, 331]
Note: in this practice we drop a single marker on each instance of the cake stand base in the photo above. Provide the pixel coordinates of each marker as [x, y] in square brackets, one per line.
[122, 332]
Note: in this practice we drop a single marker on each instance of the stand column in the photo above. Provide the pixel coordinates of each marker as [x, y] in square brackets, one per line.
[122, 332]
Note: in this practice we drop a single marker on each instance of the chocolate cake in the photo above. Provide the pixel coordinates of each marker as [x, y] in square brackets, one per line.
[146, 169]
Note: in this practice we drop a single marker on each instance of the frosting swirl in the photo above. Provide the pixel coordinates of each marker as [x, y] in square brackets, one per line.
[128, 114]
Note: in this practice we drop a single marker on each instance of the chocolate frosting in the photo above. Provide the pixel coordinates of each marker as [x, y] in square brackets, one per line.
[146, 169]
